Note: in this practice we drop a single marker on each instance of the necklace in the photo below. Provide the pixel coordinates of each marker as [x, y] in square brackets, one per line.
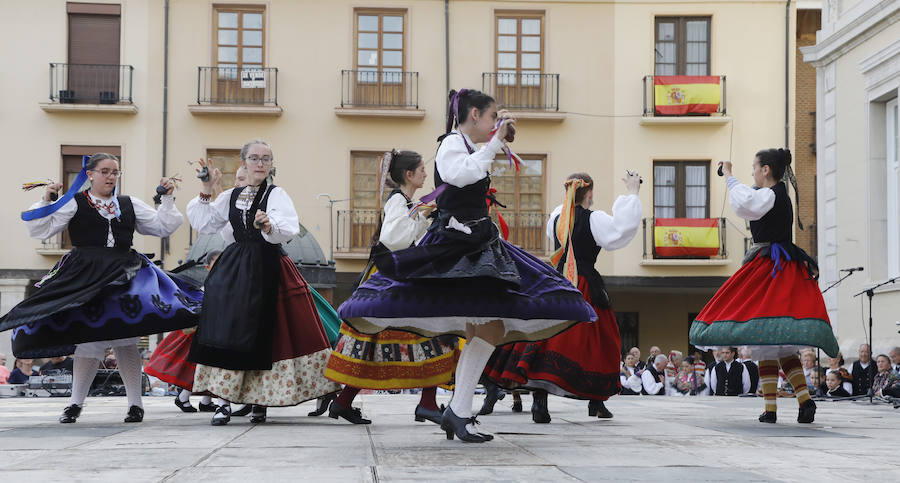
[108, 207]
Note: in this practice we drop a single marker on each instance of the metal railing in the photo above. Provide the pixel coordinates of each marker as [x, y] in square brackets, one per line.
[370, 88]
[231, 85]
[523, 90]
[649, 93]
[649, 242]
[91, 83]
[354, 230]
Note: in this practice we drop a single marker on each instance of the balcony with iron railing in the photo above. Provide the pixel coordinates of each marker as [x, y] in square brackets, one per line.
[355, 228]
[90, 88]
[679, 100]
[373, 93]
[232, 90]
[684, 241]
[527, 95]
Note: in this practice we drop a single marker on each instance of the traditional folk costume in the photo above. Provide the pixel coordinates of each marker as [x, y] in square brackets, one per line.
[260, 339]
[102, 293]
[462, 272]
[729, 379]
[582, 362]
[393, 359]
[773, 303]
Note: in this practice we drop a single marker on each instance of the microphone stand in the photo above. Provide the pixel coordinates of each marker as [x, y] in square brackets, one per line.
[834, 284]
[870, 292]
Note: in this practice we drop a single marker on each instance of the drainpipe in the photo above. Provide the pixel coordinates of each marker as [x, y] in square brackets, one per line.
[446, 54]
[164, 242]
[787, 73]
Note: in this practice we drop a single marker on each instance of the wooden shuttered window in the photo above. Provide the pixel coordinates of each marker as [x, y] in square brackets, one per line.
[94, 32]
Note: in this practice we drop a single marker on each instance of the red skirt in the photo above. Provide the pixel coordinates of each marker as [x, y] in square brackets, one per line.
[582, 362]
[169, 361]
[756, 309]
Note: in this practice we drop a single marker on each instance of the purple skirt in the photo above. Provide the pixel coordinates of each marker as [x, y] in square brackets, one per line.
[457, 282]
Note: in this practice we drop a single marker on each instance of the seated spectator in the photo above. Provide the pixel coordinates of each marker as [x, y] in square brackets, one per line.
[687, 380]
[639, 364]
[752, 368]
[834, 386]
[629, 376]
[654, 351]
[808, 363]
[56, 365]
[815, 383]
[729, 377]
[672, 368]
[886, 382]
[894, 354]
[654, 379]
[23, 370]
[109, 361]
[863, 371]
[4, 371]
[836, 364]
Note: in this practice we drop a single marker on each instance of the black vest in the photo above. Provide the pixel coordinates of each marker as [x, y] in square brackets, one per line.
[243, 229]
[732, 382]
[586, 252]
[862, 378]
[775, 226]
[658, 377]
[89, 229]
[466, 203]
[753, 371]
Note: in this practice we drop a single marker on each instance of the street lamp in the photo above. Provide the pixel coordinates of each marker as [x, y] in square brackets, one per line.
[331, 203]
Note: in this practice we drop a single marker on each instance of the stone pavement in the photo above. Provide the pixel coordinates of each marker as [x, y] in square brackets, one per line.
[650, 438]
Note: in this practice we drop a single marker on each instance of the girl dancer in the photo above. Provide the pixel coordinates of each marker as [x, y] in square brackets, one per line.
[101, 294]
[260, 339]
[773, 303]
[393, 359]
[462, 278]
[582, 362]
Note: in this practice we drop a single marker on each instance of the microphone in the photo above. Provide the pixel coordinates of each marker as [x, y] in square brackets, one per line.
[851, 270]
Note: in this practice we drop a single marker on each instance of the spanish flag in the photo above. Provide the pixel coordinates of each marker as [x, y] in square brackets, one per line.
[684, 94]
[686, 237]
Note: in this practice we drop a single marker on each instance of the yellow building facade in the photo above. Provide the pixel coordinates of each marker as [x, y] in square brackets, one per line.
[332, 84]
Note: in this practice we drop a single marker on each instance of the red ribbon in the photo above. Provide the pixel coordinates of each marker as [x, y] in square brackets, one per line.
[490, 200]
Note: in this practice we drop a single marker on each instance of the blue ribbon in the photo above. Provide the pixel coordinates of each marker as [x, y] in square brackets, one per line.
[56, 205]
[776, 252]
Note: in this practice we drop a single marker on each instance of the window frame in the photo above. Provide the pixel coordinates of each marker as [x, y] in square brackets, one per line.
[239, 9]
[380, 13]
[519, 15]
[681, 41]
[681, 185]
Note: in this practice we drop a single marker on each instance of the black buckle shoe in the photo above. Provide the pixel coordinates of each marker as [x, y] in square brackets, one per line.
[807, 412]
[70, 414]
[185, 406]
[602, 412]
[135, 414]
[593, 406]
[539, 411]
[454, 425]
[258, 415]
[322, 404]
[768, 417]
[432, 415]
[517, 406]
[245, 410]
[208, 408]
[224, 410]
[353, 415]
[493, 393]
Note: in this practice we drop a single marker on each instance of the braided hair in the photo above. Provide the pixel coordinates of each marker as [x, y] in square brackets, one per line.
[779, 162]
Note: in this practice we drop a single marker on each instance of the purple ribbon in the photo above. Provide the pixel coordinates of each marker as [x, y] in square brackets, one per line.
[454, 104]
[433, 195]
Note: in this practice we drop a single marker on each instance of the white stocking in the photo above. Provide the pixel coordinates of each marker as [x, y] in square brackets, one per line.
[128, 360]
[83, 371]
[471, 364]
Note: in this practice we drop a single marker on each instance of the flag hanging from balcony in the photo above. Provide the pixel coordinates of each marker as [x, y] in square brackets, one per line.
[686, 237]
[686, 94]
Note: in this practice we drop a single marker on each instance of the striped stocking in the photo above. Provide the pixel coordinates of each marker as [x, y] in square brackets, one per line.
[794, 371]
[768, 377]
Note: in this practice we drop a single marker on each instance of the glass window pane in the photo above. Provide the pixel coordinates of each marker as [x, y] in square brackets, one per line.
[228, 37]
[506, 61]
[252, 54]
[697, 69]
[531, 61]
[695, 175]
[251, 66]
[532, 167]
[506, 42]
[506, 78]
[695, 196]
[666, 31]
[251, 37]
[530, 202]
[531, 78]
[391, 76]
[665, 69]
[531, 26]
[665, 52]
[696, 52]
[531, 44]
[392, 58]
[368, 23]
[252, 21]
[367, 41]
[696, 30]
[392, 41]
[228, 20]
[227, 71]
[664, 175]
[507, 26]
[695, 212]
[392, 24]
[367, 57]
[664, 212]
[367, 75]
[227, 54]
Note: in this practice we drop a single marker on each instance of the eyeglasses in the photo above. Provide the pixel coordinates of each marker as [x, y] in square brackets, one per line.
[259, 159]
[106, 172]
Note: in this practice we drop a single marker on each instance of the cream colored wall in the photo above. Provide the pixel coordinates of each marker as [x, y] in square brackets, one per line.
[662, 319]
[853, 225]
